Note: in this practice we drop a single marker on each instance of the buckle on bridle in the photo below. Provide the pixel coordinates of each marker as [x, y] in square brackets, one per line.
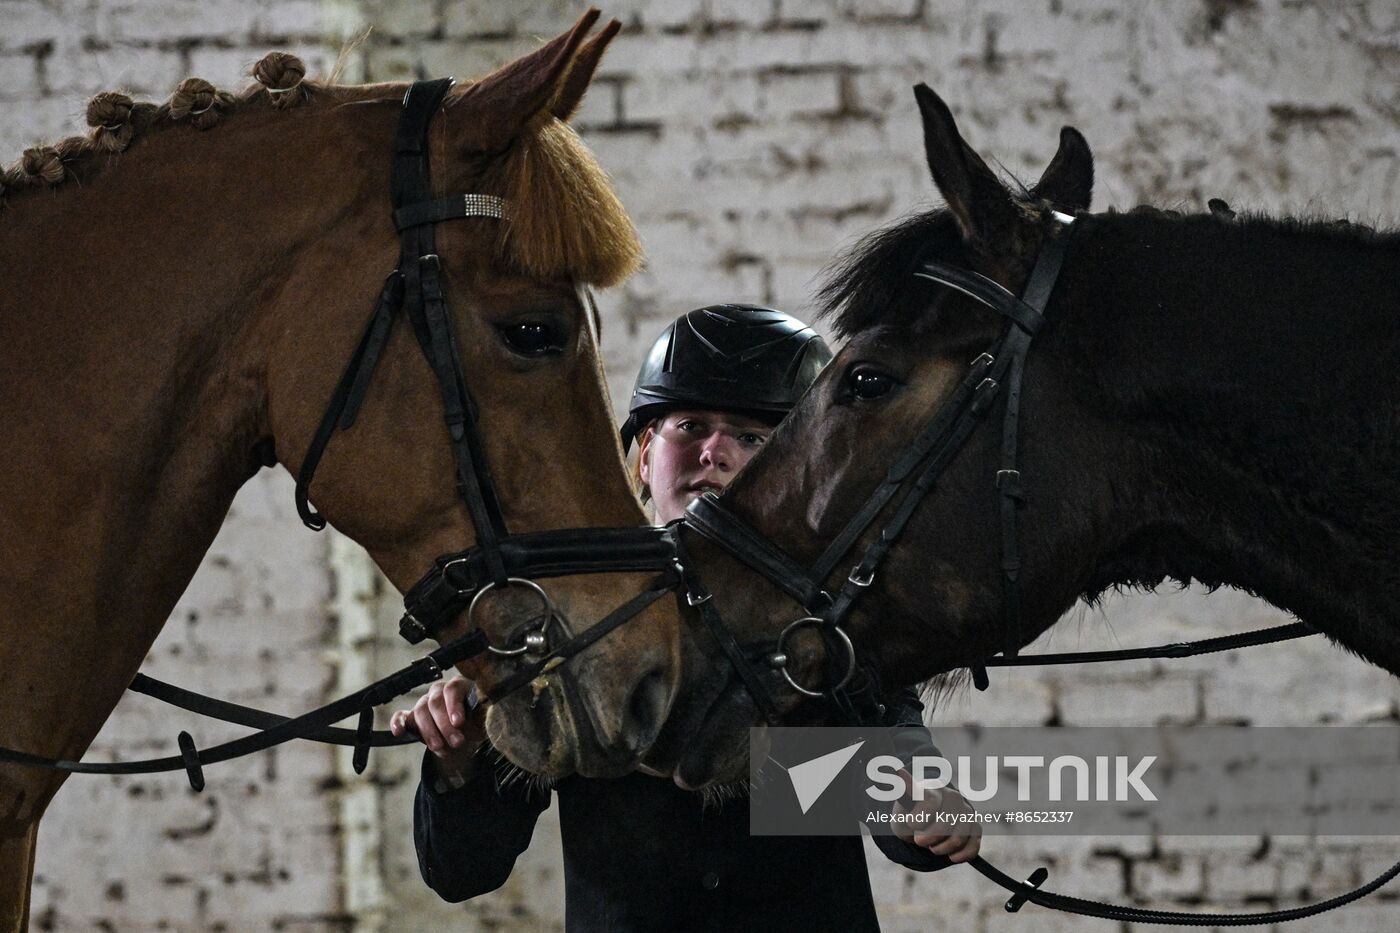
[692, 600]
[1009, 482]
[461, 590]
[430, 259]
[431, 665]
[861, 581]
[984, 395]
[411, 630]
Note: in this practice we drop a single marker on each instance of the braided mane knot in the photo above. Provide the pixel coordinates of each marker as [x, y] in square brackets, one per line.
[109, 115]
[281, 74]
[199, 102]
[41, 165]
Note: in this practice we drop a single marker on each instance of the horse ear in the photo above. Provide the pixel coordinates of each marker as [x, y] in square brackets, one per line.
[570, 96]
[1068, 181]
[509, 97]
[982, 205]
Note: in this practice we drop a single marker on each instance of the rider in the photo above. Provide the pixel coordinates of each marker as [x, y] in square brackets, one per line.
[640, 853]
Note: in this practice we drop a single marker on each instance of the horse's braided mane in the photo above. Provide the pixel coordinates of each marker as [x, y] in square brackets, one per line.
[872, 283]
[116, 120]
[565, 220]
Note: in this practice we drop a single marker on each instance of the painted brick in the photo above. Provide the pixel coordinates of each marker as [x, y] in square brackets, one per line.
[409, 19]
[225, 68]
[1231, 879]
[688, 97]
[294, 18]
[807, 92]
[30, 22]
[19, 77]
[1147, 703]
[143, 71]
[462, 18]
[1175, 876]
[155, 20]
[907, 11]
[741, 12]
[674, 13]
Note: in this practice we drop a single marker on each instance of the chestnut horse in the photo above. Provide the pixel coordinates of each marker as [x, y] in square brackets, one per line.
[185, 287]
[1211, 399]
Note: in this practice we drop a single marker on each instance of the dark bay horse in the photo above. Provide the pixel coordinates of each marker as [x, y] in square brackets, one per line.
[1211, 399]
[182, 291]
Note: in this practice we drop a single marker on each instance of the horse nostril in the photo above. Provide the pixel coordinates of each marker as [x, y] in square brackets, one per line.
[646, 711]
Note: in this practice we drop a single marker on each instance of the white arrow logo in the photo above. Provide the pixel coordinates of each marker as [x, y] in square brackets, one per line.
[811, 778]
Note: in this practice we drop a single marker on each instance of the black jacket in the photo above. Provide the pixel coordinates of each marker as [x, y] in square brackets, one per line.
[641, 854]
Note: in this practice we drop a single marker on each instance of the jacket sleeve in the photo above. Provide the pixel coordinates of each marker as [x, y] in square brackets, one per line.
[469, 837]
[904, 712]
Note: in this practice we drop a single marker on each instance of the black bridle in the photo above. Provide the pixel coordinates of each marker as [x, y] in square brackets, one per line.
[498, 559]
[458, 581]
[995, 373]
[907, 483]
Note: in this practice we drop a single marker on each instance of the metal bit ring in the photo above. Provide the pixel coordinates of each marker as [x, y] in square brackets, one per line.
[780, 651]
[548, 613]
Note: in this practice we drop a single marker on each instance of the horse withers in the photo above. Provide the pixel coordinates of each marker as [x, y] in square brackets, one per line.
[189, 283]
[1210, 398]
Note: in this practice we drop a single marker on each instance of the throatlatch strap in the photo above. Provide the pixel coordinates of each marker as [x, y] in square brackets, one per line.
[389, 301]
[348, 396]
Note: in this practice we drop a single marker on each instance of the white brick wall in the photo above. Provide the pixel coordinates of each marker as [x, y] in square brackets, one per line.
[751, 140]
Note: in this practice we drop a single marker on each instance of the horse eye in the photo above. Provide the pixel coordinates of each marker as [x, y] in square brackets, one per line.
[532, 339]
[866, 382]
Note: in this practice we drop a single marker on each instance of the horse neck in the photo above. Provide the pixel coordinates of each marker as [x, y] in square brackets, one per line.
[130, 352]
[1253, 371]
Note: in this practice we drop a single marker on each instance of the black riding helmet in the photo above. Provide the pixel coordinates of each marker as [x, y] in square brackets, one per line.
[738, 358]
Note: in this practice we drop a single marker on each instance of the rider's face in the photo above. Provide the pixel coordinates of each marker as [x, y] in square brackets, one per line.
[690, 451]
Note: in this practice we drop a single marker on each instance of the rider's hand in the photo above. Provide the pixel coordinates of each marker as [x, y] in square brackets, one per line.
[452, 730]
[960, 841]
